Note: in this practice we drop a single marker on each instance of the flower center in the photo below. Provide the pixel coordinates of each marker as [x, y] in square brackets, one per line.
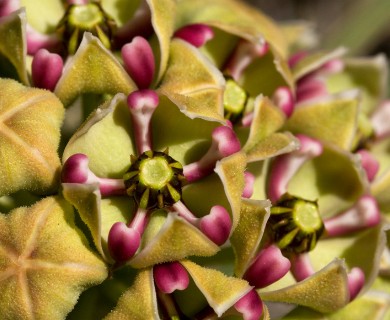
[295, 224]
[234, 100]
[154, 179]
[85, 17]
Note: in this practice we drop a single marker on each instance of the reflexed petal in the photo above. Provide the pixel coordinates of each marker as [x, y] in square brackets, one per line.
[198, 91]
[92, 61]
[139, 302]
[247, 236]
[221, 291]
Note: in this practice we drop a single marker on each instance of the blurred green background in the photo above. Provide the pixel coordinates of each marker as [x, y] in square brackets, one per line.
[363, 26]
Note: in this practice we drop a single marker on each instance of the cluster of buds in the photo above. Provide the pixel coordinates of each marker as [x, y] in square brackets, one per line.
[180, 160]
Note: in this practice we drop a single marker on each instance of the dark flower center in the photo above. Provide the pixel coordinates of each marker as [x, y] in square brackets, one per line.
[81, 18]
[234, 100]
[154, 179]
[295, 224]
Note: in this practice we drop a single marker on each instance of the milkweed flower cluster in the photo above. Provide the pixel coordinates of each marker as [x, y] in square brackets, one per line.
[186, 159]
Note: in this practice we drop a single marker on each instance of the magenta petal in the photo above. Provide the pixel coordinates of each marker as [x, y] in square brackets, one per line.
[310, 88]
[142, 104]
[37, 40]
[249, 185]
[269, 266]
[46, 69]
[216, 225]
[197, 34]
[138, 58]
[369, 163]
[333, 66]
[356, 280]
[250, 306]
[75, 169]
[224, 143]
[245, 53]
[283, 98]
[294, 59]
[364, 214]
[123, 242]
[8, 6]
[285, 166]
[301, 267]
[170, 276]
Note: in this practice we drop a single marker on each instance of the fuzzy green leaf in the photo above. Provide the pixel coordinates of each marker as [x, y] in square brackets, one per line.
[41, 275]
[30, 121]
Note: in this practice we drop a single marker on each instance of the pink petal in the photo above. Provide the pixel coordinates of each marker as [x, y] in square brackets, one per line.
[138, 59]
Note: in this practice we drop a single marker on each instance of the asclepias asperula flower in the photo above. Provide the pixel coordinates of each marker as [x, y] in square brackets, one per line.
[203, 170]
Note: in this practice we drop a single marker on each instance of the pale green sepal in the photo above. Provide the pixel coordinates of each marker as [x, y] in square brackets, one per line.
[331, 119]
[13, 42]
[43, 15]
[221, 291]
[93, 69]
[231, 172]
[193, 83]
[266, 74]
[121, 11]
[368, 74]
[263, 142]
[325, 291]
[361, 249]
[250, 24]
[86, 198]
[275, 144]
[314, 61]
[30, 121]
[139, 302]
[316, 180]
[373, 305]
[176, 240]
[187, 139]
[45, 261]
[267, 119]
[247, 235]
[163, 17]
[106, 138]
